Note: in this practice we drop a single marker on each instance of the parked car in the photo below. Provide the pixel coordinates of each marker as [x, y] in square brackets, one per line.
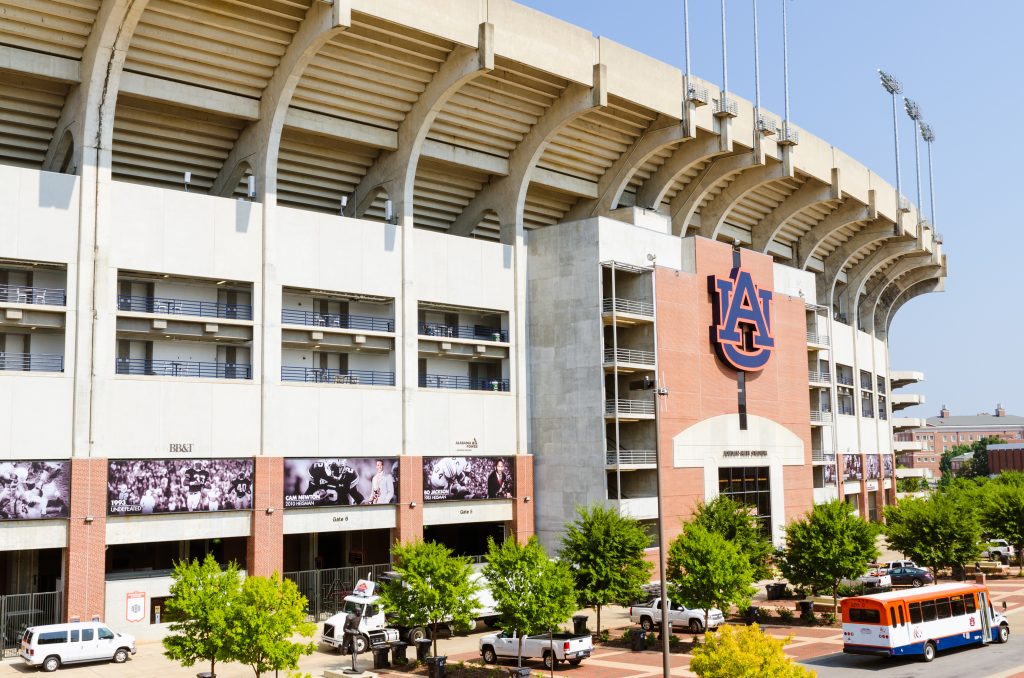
[910, 576]
[874, 579]
[887, 565]
[53, 645]
[564, 646]
[999, 549]
[648, 615]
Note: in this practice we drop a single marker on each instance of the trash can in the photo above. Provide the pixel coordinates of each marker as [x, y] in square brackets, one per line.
[637, 640]
[206, 674]
[775, 591]
[753, 615]
[380, 657]
[523, 672]
[435, 667]
[422, 648]
[806, 608]
[398, 657]
[579, 624]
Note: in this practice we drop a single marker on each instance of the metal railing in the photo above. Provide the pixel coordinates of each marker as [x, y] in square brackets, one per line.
[631, 457]
[628, 355]
[183, 368]
[463, 383]
[325, 590]
[164, 306]
[31, 362]
[767, 125]
[626, 406]
[818, 339]
[726, 107]
[20, 294]
[821, 456]
[819, 417]
[326, 375]
[846, 409]
[844, 380]
[819, 377]
[632, 306]
[479, 332]
[698, 95]
[788, 135]
[22, 610]
[343, 321]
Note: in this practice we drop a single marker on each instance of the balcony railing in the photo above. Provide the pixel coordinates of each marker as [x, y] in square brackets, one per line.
[31, 362]
[632, 457]
[844, 380]
[19, 294]
[618, 305]
[463, 383]
[821, 456]
[819, 417]
[846, 409]
[343, 321]
[479, 332]
[817, 377]
[204, 309]
[817, 339]
[626, 406]
[628, 355]
[326, 375]
[183, 368]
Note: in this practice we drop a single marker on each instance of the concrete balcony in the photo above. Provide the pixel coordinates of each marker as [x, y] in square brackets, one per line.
[628, 360]
[631, 459]
[823, 495]
[819, 418]
[907, 446]
[629, 409]
[626, 312]
[820, 379]
[817, 341]
[901, 401]
[644, 508]
[822, 457]
[907, 423]
[901, 378]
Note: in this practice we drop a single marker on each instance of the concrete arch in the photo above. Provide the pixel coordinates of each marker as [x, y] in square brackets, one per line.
[704, 147]
[894, 288]
[811, 193]
[712, 217]
[685, 203]
[849, 212]
[836, 262]
[863, 271]
[873, 293]
[923, 287]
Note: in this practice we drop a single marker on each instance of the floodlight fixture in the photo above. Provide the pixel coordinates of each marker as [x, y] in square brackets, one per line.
[891, 84]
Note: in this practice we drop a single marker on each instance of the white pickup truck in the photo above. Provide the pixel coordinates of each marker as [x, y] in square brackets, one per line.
[648, 615]
[552, 648]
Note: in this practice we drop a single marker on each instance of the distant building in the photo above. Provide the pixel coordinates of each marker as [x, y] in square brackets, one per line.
[1006, 457]
[946, 431]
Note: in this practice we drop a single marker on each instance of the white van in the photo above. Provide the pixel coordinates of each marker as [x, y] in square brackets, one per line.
[52, 645]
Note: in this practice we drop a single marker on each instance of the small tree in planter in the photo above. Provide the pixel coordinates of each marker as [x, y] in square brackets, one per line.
[267, 614]
[745, 651]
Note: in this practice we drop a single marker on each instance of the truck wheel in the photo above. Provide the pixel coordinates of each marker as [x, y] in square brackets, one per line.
[696, 626]
[549, 661]
[929, 652]
[361, 644]
[646, 623]
[575, 662]
[1004, 633]
[416, 633]
[51, 664]
[490, 657]
[121, 656]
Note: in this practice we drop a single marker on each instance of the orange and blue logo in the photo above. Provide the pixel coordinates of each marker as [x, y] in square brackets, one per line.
[742, 333]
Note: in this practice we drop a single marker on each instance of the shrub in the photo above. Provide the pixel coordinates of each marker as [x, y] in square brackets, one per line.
[828, 619]
[744, 651]
[785, 614]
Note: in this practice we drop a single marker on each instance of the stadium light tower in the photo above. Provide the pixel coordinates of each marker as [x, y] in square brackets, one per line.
[724, 103]
[928, 134]
[785, 74]
[914, 111]
[893, 87]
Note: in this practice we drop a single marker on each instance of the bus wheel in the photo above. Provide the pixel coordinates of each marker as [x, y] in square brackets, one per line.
[1004, 633]
[929, 651]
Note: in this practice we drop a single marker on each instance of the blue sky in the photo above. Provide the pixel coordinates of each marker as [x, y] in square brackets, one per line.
[962, 63]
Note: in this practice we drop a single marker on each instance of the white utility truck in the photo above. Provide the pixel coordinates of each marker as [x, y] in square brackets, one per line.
[373, 628]
[552, 648]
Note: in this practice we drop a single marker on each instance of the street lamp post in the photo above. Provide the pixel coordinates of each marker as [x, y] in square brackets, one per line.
[725, 66]
[893, 87]
[928, 134]
[914, 111]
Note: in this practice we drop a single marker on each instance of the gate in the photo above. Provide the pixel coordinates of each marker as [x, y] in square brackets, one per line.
[19, 611]
[325, 590]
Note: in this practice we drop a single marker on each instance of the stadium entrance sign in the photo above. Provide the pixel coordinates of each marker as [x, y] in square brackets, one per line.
[742, 330]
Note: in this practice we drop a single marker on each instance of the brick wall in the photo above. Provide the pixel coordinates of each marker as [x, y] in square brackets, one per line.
[266, 544]
[410, 489]
[84, 586]
[522, 510]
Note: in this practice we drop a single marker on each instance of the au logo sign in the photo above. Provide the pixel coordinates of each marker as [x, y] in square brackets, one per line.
[742, 332]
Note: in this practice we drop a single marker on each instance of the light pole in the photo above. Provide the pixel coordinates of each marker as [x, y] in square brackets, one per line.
[928, 134]
[757, 74]
[785, 72]
[914, 111]
[724, 103]
[893, 87]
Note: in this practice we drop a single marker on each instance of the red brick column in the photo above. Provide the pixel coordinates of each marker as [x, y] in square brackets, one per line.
[522, 510]
[265, 548]
[409, 519]
[84, 581]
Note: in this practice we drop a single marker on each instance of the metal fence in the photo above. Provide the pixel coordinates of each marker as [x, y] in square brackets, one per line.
[464, 383]
[342, 321]
[20, 294]
[31, 362]
[19, 611]
[326, 375]
[183, 368]
[163, 305]
[479, 332]
[325, 590]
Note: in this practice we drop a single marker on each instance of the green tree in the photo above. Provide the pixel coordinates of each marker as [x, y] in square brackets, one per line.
[734, 521]
[532, 593]
[434, 588]
[946, 461]
[911, 484]
[745, 652]
[939, 531]
[267, 613]
[202, 597]
[828, 545]
[1003, 513]
[706, 570]
[606, 552]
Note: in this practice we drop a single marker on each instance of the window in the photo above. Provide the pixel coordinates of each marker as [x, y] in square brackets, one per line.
[87, 634]
[53, 638]
[74, 636]
[105, 633]
[915, 613]
[892, 616]
[956, 605]
[928, 610]
[862, 616]
[969, 603]
[942, 609]
[902, 622]
[749, 486]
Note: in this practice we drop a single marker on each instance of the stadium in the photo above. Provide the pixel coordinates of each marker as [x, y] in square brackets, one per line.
[286, 281]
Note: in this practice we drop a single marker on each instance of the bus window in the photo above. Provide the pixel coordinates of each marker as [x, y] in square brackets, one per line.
[956, 605]
[942, 608]
[928, 610]
[892, 617]
[915, 613]
[862, 616]
[902, 622]
[971, 607]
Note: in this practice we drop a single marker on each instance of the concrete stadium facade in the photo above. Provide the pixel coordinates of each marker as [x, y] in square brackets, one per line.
[408, 231]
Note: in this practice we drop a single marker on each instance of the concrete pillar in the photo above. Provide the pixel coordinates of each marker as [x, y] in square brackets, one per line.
[85, 579]
[409, 518]
[265, 547]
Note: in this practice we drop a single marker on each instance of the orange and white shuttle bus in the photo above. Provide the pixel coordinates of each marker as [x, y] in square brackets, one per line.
[922, 621]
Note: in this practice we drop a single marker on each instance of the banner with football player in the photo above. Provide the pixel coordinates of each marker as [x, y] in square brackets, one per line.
[34, 489]
[463, 478]
[351, 481]
[146, 486]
